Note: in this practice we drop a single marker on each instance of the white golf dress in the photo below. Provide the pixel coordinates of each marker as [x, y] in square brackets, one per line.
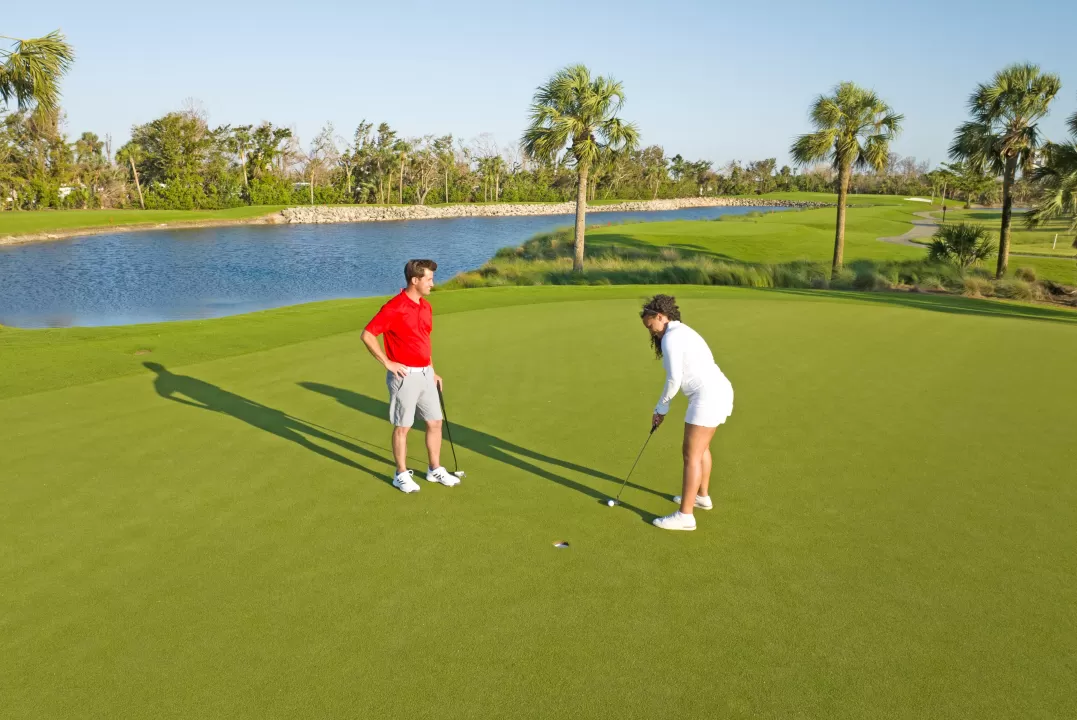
[690, 368]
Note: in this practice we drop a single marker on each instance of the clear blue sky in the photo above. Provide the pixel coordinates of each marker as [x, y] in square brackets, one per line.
[707, 79]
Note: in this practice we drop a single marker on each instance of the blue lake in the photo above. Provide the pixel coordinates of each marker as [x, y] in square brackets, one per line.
[153, 276]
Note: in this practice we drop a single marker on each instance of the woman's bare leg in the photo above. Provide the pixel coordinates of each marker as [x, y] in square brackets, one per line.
[696, 444]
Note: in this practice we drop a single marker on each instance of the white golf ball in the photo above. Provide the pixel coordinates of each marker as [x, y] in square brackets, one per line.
[611, 503]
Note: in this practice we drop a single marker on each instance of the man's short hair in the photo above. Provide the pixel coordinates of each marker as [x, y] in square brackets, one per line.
[418, 268]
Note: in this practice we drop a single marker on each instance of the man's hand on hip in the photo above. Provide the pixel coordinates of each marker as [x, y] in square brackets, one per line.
[401, 371]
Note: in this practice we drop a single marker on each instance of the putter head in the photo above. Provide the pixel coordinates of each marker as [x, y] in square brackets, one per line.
[460, 474]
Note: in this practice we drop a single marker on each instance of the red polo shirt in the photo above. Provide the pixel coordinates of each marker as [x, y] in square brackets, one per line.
[406, 325]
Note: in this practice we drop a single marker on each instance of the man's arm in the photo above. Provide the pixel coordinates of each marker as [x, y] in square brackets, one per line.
[372, 344]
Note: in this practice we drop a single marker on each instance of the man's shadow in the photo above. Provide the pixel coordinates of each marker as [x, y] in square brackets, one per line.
[494, 448]
[203, 395]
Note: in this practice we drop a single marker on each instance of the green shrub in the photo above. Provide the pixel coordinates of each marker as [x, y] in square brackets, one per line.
[1027, 274]
[1015, 289]
[977, 287]
[843, 279]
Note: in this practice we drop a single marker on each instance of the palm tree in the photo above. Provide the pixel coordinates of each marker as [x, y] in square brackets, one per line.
[133, 154]
[579, 112]
[90, 160]
[853, 128]
[32, 69]
[1003, 134]
[1058, 177]
[962, 244]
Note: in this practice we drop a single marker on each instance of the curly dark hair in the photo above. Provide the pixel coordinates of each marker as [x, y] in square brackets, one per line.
[661, 305]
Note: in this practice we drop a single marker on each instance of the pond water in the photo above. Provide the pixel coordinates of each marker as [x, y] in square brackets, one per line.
[158, 275]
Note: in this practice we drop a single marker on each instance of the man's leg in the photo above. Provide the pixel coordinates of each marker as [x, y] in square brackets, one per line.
[400, 448]
[402, 396]
[430, 408]
[433, 442]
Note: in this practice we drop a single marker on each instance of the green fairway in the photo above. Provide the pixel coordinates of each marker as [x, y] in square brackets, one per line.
[47, 221]
[809, 235]
[769, 238]
[1023, 239]
[777, 236]
[893, 532]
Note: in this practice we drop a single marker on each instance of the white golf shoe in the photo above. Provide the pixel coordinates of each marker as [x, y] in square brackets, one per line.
[443, 476]
[703, 502]
[405, 482]
[676, 521]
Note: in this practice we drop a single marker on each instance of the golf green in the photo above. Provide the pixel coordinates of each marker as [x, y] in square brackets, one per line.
[893, 533]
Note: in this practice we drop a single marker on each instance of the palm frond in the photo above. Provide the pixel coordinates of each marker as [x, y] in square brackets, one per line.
[32, 71]
[812, 147]
[875, 153]
[1058, 181]
[619, 135]
[976, 144]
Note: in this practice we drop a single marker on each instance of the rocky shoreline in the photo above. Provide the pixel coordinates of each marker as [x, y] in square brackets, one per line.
[318, 214]
[334, 214]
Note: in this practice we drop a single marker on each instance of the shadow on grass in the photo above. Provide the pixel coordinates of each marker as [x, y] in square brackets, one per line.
[946, 304]
[627, 247]
[495, 448]
[188, 390]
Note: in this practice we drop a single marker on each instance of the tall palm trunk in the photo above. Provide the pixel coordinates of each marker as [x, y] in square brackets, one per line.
[138, 185]
[1007, 212]
[839, 234]
[581, 217]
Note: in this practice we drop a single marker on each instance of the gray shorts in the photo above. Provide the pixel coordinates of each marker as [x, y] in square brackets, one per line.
[415, 391]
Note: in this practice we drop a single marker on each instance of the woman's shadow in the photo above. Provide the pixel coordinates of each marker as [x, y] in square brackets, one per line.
[494, 448]
[205, 396]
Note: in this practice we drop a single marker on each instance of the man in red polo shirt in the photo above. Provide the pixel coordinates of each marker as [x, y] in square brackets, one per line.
[406, 322]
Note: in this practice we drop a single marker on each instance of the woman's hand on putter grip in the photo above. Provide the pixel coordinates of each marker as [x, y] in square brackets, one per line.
[657, 419]
[439, 381]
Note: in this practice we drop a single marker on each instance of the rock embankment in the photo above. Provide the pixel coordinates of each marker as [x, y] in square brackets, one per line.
[317, 214]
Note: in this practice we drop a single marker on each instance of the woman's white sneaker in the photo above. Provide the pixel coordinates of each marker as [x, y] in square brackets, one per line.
[405, 482]
[676, 521]
[443, 476]
[703, 502]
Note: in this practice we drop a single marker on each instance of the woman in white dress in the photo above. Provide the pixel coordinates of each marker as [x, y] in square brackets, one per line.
[690, 368]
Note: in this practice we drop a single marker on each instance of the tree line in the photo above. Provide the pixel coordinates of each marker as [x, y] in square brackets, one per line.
[576, 144]
[178, 161]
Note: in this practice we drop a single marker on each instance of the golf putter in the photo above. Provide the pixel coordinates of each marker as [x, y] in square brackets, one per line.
[448, 430]
[617, 500]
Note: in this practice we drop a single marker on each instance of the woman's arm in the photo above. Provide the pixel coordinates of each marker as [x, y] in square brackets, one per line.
[673, 362]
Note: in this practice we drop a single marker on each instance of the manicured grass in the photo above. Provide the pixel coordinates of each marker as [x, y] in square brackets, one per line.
[1023, 239]
[775, 237]
[802, 235]
[860, 199]
[892, 536]
[43, 221]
